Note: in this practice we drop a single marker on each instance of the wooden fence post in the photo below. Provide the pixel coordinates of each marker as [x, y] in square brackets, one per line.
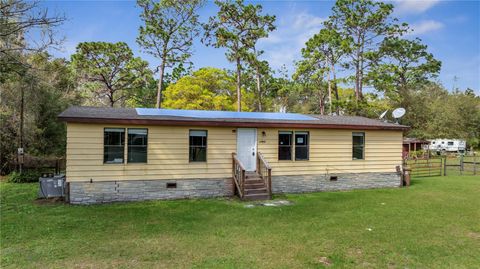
[441, 166]
[474, 164]
[444, 165]
[461, 164]
[429, 165]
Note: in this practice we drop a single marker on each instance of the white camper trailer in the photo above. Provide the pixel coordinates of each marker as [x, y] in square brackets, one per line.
[447, 145]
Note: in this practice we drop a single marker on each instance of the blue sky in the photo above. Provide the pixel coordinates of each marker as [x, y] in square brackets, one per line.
[451, 29]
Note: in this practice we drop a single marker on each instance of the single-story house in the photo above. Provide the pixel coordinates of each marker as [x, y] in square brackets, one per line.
[125, 154]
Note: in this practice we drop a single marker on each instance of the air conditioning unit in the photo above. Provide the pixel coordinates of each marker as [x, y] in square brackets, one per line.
[51, 186]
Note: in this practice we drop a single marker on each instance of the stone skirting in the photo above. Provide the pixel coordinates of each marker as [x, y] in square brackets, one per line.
[315, 183]
[138, 190]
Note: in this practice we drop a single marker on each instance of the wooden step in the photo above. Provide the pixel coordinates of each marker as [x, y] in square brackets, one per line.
[256, 196]
[254, 181]
[256, 191]
[254, 185]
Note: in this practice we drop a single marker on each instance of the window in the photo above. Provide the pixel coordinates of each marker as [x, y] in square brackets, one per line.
[198, 146]
[285, 145]
[301, 146]
[450, 143]
[358, 146]
[113, 145]
[137, 145]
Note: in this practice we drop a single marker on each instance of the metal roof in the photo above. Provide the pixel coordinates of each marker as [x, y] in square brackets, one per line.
[152, 116]
[411, 140]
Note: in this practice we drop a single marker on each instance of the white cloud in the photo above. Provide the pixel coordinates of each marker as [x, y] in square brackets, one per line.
[283, 45]
[280, 56]
[414, 6]
[458, 19]
[426, 26]
[307, 21]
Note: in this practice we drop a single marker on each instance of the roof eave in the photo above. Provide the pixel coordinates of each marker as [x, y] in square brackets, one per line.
[207, 123]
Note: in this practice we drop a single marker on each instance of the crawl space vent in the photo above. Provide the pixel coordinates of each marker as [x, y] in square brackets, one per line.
[171, 185]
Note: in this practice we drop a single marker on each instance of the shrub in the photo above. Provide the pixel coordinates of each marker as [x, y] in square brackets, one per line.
[24, 177]
[417, 154]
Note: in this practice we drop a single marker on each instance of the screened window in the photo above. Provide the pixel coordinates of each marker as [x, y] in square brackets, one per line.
[113, 145]
[137, 145]
[301, 146]
[285, 145]
[358, 149]
[198, 146]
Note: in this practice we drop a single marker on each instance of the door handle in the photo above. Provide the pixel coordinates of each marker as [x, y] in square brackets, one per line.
[253, 153]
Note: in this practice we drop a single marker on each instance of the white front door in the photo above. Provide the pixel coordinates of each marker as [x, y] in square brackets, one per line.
[247, 147]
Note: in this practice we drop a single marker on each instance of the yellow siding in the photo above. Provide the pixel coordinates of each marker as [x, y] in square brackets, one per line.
[331, 151]
[168, 153]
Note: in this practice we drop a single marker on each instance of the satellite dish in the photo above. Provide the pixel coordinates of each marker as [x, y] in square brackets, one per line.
[398, 113]
[383, 114]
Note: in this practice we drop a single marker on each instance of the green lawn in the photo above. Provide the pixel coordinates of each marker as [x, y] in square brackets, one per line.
[433, 224]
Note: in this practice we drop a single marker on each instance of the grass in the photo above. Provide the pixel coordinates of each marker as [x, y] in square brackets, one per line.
[433, 224]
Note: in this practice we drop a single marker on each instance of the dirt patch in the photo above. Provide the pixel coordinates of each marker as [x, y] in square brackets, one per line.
[269, 203]
[325, 261]
[49, 201]
[474, 235]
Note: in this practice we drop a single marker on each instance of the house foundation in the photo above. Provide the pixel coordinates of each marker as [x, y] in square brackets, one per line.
[334, 182]
[139, 190]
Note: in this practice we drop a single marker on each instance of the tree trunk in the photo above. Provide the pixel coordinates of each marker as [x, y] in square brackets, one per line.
[321, 102]
[239, 90]
[160, 85]
[110, 97]
[335, 89]
[360, 83]
[22, 107]
[259, 90]
[357, 82]
[329, 93]
[322, 107]
[359, 66]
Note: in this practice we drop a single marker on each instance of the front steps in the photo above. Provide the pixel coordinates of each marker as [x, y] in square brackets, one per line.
[255, 188]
